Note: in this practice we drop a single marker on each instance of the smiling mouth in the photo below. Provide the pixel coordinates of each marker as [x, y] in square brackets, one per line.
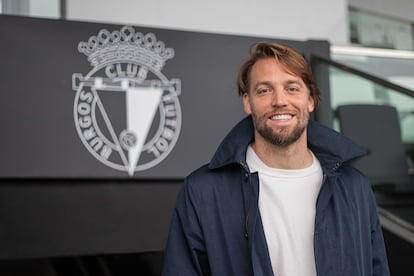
[281, 117]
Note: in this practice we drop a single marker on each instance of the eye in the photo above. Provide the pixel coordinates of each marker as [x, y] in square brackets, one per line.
[293, 89]
[263, 90]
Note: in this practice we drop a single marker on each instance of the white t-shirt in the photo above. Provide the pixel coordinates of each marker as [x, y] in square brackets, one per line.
[287, 204]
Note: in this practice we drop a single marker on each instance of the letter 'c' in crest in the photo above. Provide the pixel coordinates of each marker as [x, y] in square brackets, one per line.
[126, 72]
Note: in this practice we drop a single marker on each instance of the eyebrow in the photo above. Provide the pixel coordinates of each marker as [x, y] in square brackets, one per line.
[268, 83]
[294, 82]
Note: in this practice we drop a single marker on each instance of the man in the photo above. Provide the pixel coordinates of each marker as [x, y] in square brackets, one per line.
[278, 197]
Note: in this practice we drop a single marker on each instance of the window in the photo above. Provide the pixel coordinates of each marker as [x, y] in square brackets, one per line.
[35, 8]
[371, 30]
[394, 66]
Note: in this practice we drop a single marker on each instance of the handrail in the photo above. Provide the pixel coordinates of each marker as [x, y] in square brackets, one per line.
[377, 80]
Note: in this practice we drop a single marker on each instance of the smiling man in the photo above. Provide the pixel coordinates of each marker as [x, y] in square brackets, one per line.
[279, 196]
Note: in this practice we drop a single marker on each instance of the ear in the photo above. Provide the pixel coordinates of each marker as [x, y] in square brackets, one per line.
[311, 104]
[246, 104]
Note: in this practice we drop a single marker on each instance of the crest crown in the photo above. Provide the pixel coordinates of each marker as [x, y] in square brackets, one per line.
[128, 45]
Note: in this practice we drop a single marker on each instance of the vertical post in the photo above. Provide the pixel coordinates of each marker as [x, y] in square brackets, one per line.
[314, 49]
[62, 9]
[324, 112]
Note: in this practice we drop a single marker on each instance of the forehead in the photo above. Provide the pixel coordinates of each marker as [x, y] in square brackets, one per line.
[271, 67]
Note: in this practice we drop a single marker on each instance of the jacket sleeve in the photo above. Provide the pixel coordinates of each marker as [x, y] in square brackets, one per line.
[185, 252]
[379, 255]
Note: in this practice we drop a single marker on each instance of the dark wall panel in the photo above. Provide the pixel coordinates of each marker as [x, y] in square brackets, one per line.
[40, 103]
[44, 218]
[64, 193]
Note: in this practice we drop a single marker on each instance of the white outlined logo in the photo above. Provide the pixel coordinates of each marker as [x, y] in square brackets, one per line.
[127, 72]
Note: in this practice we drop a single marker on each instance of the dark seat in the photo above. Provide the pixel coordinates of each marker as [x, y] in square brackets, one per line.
[377, 129]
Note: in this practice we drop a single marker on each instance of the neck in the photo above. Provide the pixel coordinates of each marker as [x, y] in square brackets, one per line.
[294, 156]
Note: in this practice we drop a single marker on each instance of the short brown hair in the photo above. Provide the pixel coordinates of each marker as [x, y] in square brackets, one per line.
[291, 59]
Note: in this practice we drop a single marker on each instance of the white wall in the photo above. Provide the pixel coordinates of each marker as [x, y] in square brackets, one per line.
[292, 19]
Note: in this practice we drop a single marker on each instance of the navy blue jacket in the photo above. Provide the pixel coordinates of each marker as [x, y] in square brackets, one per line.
[216, 227]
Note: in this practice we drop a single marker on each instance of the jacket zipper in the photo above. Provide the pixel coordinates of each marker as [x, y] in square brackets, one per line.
[247, 174]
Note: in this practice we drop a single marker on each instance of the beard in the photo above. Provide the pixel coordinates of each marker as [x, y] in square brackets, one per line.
[281, 137]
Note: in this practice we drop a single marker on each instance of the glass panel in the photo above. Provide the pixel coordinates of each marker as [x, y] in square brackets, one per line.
[34, 8]
[395, 66]
[405, 106]
[45, 8]
[347, 88]
[379, 31]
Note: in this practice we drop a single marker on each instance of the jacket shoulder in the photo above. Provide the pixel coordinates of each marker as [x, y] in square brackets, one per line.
[354, 181]
[206, 175]
[205, 182]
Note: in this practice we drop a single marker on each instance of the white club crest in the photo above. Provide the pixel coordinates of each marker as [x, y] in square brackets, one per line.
[126, 71]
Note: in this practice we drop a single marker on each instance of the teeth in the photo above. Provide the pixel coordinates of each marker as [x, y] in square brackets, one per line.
[281, 117]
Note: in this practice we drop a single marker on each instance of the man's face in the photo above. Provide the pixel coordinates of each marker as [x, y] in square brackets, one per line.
[279, 103]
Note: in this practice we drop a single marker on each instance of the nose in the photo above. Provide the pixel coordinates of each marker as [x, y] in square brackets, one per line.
[279, 98]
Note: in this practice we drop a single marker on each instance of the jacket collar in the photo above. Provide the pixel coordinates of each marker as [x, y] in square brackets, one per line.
[330, 147]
